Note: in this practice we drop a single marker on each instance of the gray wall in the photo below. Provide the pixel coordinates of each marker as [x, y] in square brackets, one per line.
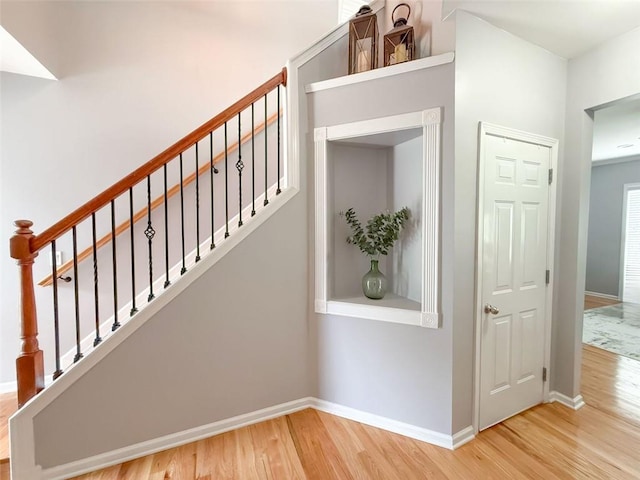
[211, 354]
[396, 371]
[134, 78]
[600, 76]
[504, 80]
[605, 224]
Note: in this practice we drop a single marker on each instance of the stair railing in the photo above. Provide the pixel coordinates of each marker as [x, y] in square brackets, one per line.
[222, 172]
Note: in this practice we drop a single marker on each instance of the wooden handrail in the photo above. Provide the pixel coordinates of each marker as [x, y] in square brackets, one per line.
[118, 188]
[142, 213]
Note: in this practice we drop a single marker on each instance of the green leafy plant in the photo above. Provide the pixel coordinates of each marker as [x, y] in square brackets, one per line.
[380, 232]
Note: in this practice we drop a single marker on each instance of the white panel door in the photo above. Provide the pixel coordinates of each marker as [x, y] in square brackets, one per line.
[515, 210]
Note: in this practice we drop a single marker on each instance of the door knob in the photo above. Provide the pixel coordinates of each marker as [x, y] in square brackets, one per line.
[491, 309]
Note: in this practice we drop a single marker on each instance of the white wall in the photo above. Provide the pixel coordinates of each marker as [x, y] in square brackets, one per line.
[603, 75]
[405, 171]
[433, 36]
[134, 78]
[504, 80]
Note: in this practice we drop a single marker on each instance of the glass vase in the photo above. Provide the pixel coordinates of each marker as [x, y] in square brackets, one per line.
[374, 283]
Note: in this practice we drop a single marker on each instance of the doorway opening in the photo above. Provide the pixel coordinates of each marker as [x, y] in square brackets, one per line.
[612, 284]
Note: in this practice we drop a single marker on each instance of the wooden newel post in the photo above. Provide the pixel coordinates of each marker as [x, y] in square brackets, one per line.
[30, 363]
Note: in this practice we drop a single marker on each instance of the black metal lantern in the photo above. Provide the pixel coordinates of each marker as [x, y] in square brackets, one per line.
[363, 41]
[399, 43]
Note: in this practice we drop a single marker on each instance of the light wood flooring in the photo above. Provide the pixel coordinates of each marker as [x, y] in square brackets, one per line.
[8, 405]
[591, 301]
[599, 441]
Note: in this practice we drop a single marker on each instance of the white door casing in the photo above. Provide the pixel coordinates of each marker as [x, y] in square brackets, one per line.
[516, 208]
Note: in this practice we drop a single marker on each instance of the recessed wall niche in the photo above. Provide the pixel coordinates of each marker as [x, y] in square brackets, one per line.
[374, 166]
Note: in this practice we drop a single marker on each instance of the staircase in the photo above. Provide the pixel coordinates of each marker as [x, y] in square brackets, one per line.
[144, 237]
[200, 177]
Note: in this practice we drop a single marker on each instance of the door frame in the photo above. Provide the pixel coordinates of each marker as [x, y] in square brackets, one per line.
[623, 235]
[485, 129]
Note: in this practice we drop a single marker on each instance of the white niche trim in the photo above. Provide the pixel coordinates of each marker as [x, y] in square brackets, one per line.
[378, 133]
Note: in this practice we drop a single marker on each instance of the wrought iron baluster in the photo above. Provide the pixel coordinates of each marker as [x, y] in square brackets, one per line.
[116, 323]
[78, 354]
[212, 170]
[149, 232]
[56, 318]
[239, 167]
[98, 339]
[167, 282]
[266, 199]
[226, 184]
[134, 309]
[197, 206]
[253, 161]
[183, 270]
[278, 191]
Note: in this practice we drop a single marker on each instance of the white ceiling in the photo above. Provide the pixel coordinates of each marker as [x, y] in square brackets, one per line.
[565, 27]
[616, 131]
[570, 28]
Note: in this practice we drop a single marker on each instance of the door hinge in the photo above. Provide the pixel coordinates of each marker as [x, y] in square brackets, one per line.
[544, 374]
[548, 277]
[550, 175]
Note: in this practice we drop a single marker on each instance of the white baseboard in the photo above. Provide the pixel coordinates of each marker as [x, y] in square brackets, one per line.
[602, 295]
[435, 438]
[8, 387]
[150, 447]
[573, 403]
[463, 436]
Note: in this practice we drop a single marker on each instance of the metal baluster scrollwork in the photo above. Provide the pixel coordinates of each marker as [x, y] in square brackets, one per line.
[149, 232]
[239, 167]
[226, 184]
[96, 296]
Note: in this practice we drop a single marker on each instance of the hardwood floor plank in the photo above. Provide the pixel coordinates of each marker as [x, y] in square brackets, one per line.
[620, 451]
[275, 452]
[346, 441]
[591, 301]
[524, 459]
[4, 471]
[404, 455]
[318, 454]
[575, 458]
[8, 406]
[161, 462]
